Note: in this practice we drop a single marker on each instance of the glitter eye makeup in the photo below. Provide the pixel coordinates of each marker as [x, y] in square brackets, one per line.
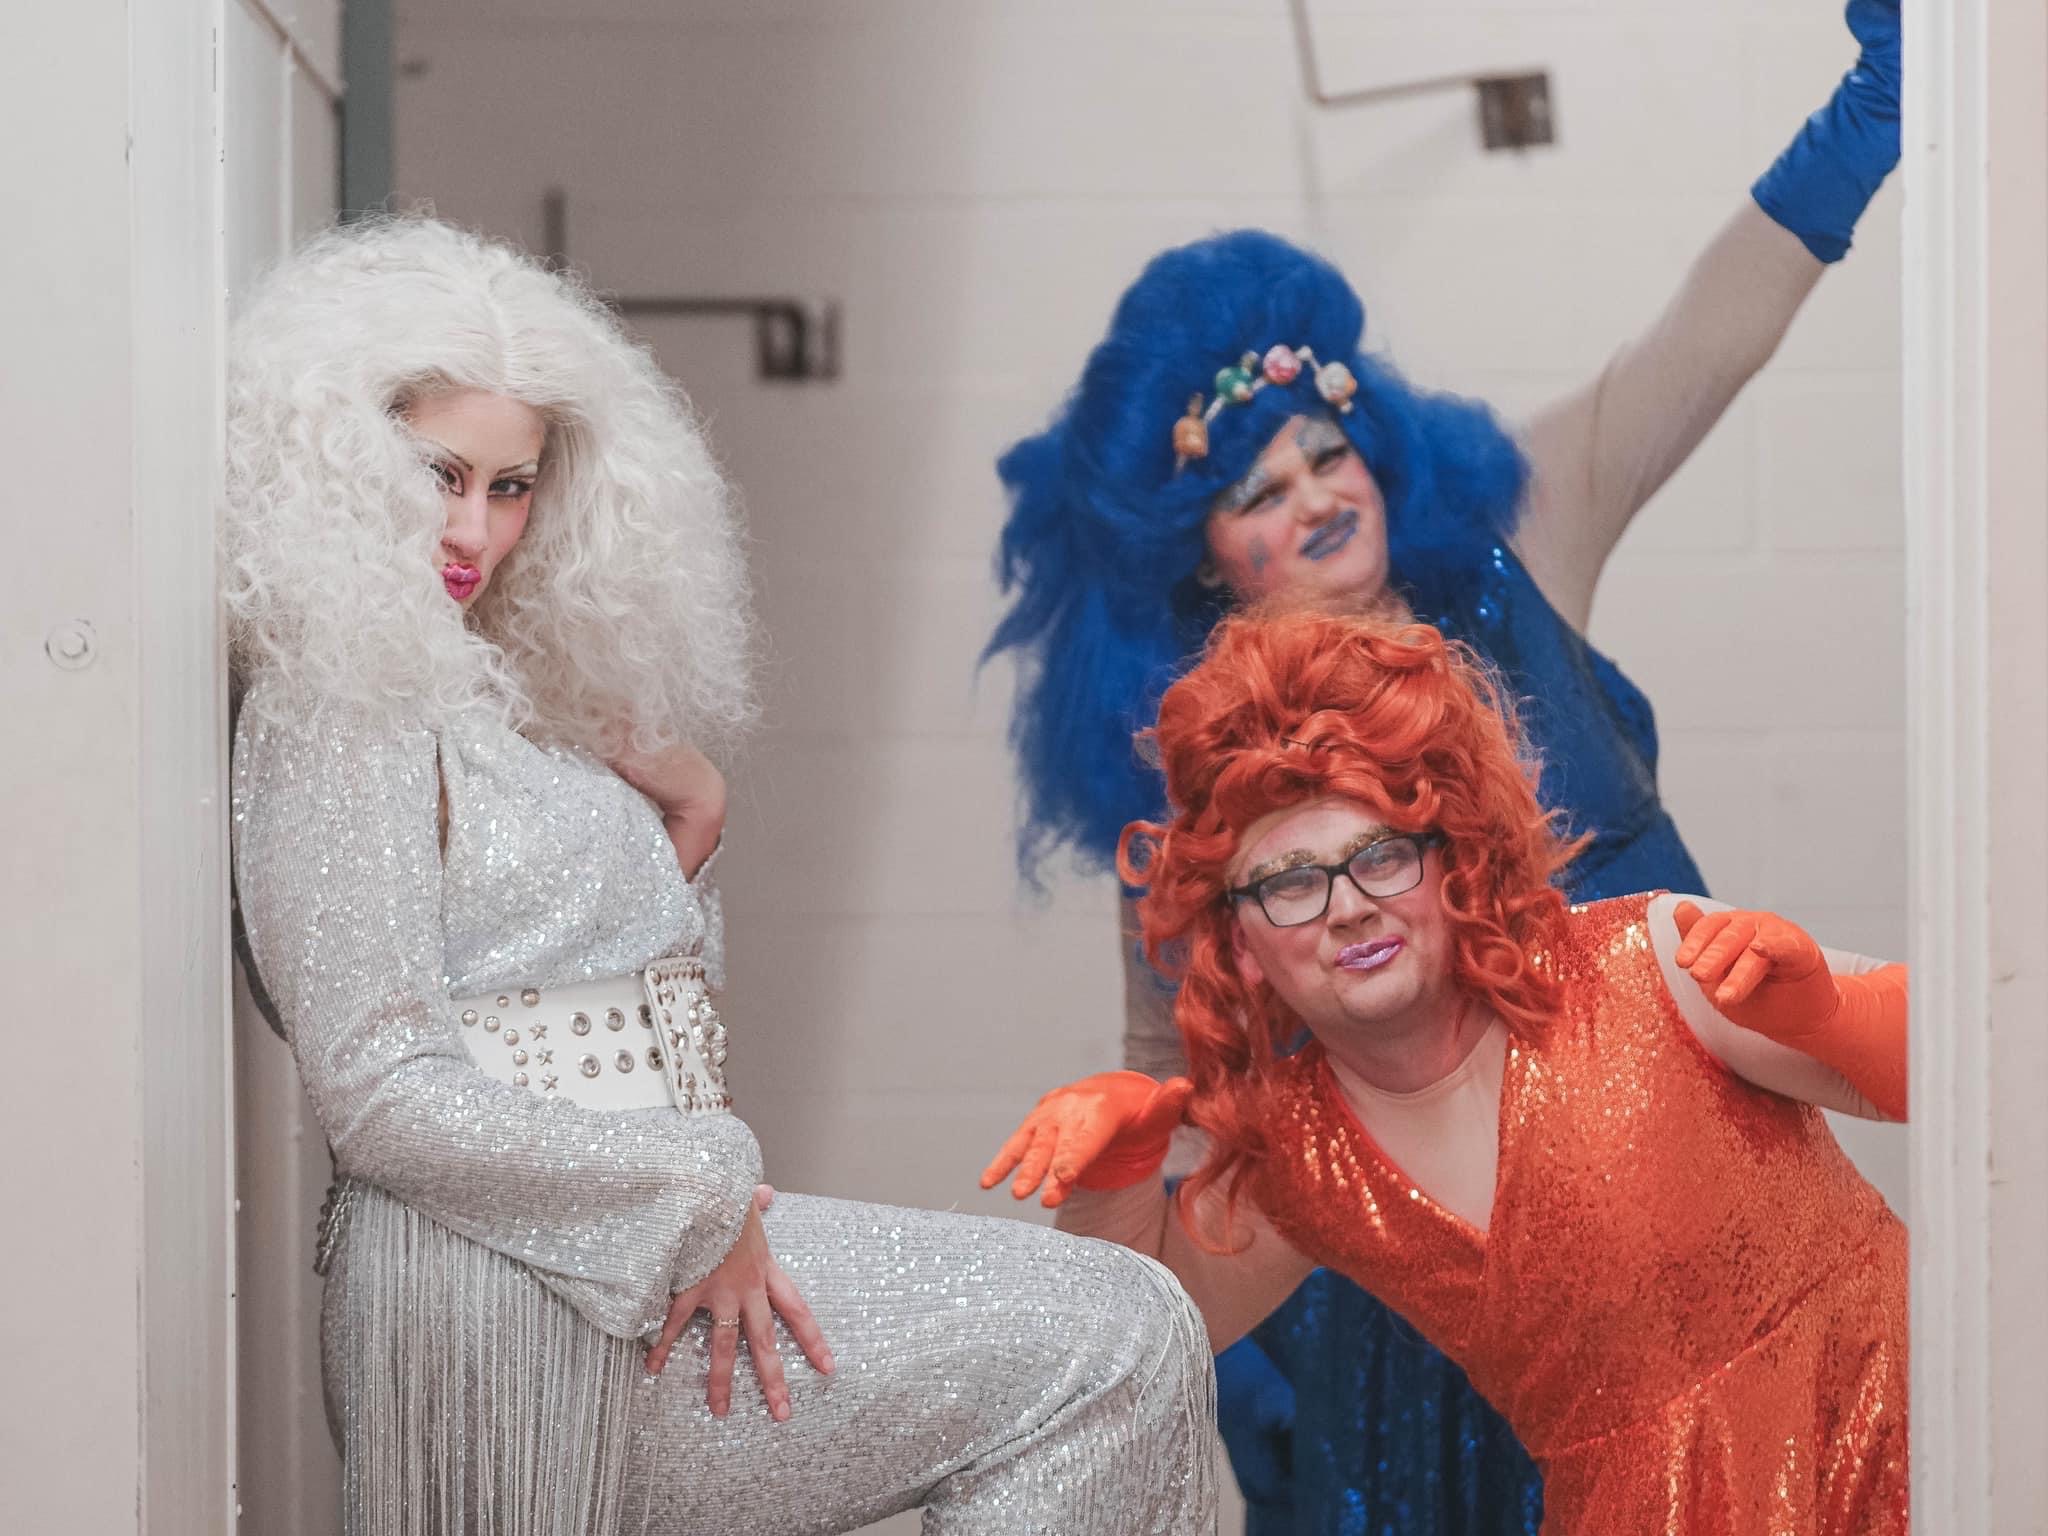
[1315, 438]
[1318, 435]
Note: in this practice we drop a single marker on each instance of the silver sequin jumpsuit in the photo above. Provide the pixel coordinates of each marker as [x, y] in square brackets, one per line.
[501, 1256]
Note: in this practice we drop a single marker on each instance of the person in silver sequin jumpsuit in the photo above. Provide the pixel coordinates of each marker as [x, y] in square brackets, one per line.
[423, 810]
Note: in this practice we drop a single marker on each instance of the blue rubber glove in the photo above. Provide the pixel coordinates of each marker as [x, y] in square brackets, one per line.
[1827, 176]
[1255, 1410]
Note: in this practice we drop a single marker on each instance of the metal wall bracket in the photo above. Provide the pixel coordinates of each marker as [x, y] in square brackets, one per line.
[1514, 108]
[794, 339]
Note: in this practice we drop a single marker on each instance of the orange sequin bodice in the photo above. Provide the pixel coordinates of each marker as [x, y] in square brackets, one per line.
[1688, 1303]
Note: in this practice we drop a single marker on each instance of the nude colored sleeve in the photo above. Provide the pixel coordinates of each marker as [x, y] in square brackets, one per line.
[1151, 1038]
[1603, 450]
[1234, 1292]
[1749, 1055]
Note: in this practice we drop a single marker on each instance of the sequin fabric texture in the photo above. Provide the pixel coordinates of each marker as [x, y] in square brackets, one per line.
[504, 1253]
[1688, 1303]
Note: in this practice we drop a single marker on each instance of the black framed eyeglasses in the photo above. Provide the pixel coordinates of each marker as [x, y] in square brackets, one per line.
[1386, 866]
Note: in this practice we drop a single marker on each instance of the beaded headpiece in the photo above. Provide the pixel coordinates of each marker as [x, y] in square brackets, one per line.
[1251, 373]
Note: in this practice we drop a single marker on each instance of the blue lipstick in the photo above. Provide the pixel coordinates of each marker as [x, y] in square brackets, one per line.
[1332, 536]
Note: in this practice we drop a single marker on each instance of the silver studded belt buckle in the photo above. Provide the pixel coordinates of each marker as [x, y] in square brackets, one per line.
[690, 1034]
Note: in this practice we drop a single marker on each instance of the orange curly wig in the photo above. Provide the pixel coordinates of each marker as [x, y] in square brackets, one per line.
[1286, 707]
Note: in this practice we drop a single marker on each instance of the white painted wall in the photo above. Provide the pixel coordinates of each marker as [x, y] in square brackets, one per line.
[976, 180]
[282, 168]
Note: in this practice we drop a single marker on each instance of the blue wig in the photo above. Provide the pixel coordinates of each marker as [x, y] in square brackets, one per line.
[1104, 538]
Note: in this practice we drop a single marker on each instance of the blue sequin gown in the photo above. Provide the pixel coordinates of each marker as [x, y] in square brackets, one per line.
[1387, 1438]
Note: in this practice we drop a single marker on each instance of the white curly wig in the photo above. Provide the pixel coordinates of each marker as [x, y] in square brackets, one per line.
[624, 606]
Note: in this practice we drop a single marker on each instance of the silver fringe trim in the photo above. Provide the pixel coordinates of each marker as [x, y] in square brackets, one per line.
[472, 1401]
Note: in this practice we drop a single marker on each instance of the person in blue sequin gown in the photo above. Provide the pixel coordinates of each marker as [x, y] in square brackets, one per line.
[1123, 548]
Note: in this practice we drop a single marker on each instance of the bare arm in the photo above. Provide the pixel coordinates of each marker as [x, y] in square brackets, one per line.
[1092, 1150]
[689, 791]
[1601, 452]
[1234, 1292]
[1753, 1057]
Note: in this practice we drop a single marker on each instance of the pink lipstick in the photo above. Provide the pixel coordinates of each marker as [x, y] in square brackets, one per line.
[460, 580]
[1369, 956]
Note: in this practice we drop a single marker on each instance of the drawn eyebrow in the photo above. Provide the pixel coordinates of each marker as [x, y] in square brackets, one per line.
[449, 453]
[1247, 489]
[1365, 840]
[530, 467]
[1296, 858]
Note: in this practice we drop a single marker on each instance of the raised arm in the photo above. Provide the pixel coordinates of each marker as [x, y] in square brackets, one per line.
[1779, 1011]
[1599, 454]
[338, 861]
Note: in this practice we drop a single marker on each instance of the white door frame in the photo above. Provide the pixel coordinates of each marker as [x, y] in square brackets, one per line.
[117, 1328]
[1976, 478]
[181, 1023]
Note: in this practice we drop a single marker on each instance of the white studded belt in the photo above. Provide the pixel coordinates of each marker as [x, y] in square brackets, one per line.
[651, 1040]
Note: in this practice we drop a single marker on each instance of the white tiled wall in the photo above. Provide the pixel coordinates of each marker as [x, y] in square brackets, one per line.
[976, 180]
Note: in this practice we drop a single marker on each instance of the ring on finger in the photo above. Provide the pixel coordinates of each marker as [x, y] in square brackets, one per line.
[725, 1322]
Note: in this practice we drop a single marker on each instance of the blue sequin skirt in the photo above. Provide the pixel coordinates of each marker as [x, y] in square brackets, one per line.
[1342, 1421]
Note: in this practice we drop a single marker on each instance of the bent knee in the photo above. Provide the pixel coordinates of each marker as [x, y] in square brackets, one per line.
[1167, 1312]
[1146, 1316]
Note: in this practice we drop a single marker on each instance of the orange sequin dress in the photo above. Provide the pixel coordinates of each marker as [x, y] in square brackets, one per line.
[1688, 1303]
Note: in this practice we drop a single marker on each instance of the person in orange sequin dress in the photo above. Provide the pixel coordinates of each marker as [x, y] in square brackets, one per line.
[1580, 1149]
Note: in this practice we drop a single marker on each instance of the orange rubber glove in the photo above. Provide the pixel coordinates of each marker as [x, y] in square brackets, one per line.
[1768, 975]
[1108, 1131]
